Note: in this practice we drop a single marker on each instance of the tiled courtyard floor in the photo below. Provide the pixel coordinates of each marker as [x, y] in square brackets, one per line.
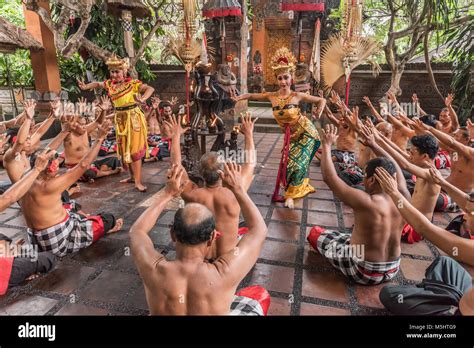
[102, 280]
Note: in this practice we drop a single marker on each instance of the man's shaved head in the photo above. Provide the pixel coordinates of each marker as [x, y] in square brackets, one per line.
[209, 167]
[194, 224]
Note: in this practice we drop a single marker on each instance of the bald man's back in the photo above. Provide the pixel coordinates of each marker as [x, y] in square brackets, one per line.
[223, 205]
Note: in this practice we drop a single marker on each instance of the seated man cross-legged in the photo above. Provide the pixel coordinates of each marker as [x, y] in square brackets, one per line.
[190, 285]
[51, 225]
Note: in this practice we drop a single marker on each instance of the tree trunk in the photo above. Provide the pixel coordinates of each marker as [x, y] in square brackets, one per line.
[397, 72]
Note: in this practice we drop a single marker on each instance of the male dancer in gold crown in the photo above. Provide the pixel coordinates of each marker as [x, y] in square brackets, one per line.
[301, 137]
[127, 95]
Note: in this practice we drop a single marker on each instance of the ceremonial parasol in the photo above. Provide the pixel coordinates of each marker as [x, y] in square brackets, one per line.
[222, 9]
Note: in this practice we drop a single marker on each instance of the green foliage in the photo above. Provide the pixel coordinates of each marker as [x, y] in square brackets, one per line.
[18, 66]
[105, 31]
[460, 44]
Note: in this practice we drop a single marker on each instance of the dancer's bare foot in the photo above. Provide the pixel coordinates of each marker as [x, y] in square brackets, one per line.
[117, 227]
[74, 189]
[140, 187]
[290, 203]
[128, 181]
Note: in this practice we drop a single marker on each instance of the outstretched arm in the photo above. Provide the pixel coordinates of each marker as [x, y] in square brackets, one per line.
[459, 248]
[460, 197]
[331, 116]
[88, 86]
[250, 96]
[373, 110]
[369, 135]
[64, 181]
[402, 161]
[451, 142]
[406, 131]
[105, 106]
[235, 264]
[418, 108]
[14, 193]
[24, 131]
[250, 155]
[448, 101]
[145, 256]
[55, 113]
[351, 196]
[174, 128]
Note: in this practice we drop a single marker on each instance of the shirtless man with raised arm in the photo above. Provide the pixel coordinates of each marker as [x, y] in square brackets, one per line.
[217, 198]
[50, 225]
[371, 254]
[16, 159]
[425, 194]
[461, 160]
[446, 282]
[76, 145]
[18, 190]
[190, 285]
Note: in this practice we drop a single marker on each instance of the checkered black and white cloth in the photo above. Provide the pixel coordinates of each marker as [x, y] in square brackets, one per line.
[69, 236]
[336, 247]
[127, 25]
[246, 306]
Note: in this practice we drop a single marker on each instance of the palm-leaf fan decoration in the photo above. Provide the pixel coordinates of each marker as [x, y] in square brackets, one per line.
[344, 51]
[337, 59]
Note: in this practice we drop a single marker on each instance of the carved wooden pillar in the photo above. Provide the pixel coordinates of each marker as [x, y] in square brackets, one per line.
[44, 62]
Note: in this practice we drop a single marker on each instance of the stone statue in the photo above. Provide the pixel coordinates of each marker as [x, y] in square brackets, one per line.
[226, 85]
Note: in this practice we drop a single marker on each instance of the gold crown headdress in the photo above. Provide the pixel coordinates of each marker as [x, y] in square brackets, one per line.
[283, 61]
[115, 62]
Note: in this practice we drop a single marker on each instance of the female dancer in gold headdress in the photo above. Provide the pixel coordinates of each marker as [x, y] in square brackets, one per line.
[301, 137]
[127, 94]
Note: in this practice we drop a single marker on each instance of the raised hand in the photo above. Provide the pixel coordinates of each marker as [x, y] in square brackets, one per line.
[335, 98]
[174, 126]
[30, 106]
[419, 126]
[231, 176]
[43, 159]
[174, 101]
[449, 100]
[55, 108]
[82, 105]
[236, 98]
[104, 130]
[329, 135]
[247, 124]
[355, 118]
[67, 123]
[367, 136]
[367, 101]
[175, 183]
[155, 103]
[386, 181]
[81, 85]
[105, 103]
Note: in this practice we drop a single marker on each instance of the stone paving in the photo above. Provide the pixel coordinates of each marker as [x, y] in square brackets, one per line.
[102, 280]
